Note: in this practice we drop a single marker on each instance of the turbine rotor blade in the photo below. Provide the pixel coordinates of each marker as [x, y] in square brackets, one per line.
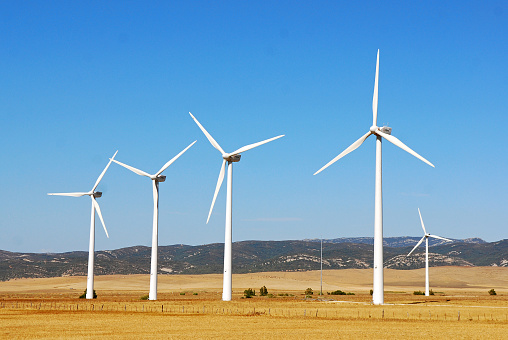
[72, 194]
[394, 140]
[98, 209]
[217, 188]
[103, 172]
[173, 159]
[210, 138]
[421, 220]
[254, 145]
[419, 242]
[351, 148]
[375, 96]
[441, 238]
[133, 169]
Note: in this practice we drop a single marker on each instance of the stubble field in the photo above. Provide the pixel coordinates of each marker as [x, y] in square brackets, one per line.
[190, 306]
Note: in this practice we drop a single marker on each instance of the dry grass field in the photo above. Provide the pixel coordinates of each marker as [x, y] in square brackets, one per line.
[190, 306]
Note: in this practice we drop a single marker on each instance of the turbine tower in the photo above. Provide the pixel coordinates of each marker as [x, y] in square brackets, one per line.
[228, 158]
[156, 179]
[426, 238]
[380, 133]
[95, 206]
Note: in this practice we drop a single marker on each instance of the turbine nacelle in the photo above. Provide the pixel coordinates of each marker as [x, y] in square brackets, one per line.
[97, 194]
[232, 158]
[160, 178]
[386, 129]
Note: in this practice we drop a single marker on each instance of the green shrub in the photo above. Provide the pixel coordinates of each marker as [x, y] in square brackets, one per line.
[263, 291]
[350, 294]
[249, 293]
[182, 293]
[337, 292]
[270, 295]
[83, 296]
[194, 293]
[418, 292]
[309, 291]
[371, 292]
[144, 297]
[492, 292]
[431, 292]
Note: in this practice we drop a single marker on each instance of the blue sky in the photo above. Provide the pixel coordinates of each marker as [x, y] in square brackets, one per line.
[80, 80]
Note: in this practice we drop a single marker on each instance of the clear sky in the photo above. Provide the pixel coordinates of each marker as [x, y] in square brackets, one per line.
[82, 79]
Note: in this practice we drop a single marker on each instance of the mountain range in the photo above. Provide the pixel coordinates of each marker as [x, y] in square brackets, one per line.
[257, 256]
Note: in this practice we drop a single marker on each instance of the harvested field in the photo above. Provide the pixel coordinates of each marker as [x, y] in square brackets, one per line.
[191, 306]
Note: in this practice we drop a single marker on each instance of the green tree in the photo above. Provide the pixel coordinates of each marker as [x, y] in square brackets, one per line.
[263, 291]
[249, 293]
[309, 291]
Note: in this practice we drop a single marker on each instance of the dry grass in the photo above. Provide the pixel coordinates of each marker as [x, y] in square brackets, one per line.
[48, 308]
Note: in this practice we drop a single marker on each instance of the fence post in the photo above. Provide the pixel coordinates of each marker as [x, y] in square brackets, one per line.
[458, 317]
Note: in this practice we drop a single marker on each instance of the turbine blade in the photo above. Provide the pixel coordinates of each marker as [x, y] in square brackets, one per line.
[133, 169]
[351, 148]
[217, 188]
[210, 138]
[98, 209]
[173, 159]
[375, 96]
[421, 220]
[72, 194]
[441, 238]
[394, 140]
[103, 172]
[419, 242]
[252, 146]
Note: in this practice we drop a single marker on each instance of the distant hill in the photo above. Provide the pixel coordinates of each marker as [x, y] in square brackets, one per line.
[256, 256]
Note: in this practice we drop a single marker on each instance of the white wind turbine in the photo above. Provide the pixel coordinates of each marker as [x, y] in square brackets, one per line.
[156, 179]
[426, 238]
[228, 158]
[379, 132]
[95, 206]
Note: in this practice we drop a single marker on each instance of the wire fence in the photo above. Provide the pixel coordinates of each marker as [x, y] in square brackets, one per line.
[333, 312]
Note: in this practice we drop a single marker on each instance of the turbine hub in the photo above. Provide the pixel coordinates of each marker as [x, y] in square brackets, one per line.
[386, 129]
[373, 129]
[97, 194]
[232, 158]
[160, 178]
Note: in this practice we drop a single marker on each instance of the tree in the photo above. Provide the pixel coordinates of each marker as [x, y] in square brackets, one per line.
[249, 293]
[263, 291]
[82, 296]
[492, 292]
[309, 291]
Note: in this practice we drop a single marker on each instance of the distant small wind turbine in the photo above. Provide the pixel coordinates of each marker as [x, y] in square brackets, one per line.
[95, 206]
[380, 133]
[228, 158]
[426, 238]
[156, 178]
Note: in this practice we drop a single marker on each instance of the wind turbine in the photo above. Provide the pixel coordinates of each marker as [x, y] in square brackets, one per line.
[156, 179]
[426, 238]
[379, 132]
[95, 206]
[228, 158]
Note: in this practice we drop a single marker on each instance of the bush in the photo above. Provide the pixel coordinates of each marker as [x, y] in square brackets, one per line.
[350, 294]
[371, 292]
[249, 293]
[194, 293]
[337, 292]
[144, 297]
[431, 292]
[83, 296]
[309, 291]
[418, 292]
[182, 293]
[263, 291]
[492, 292]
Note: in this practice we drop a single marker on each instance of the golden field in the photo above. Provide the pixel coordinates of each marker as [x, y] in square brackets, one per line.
[462, 308]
